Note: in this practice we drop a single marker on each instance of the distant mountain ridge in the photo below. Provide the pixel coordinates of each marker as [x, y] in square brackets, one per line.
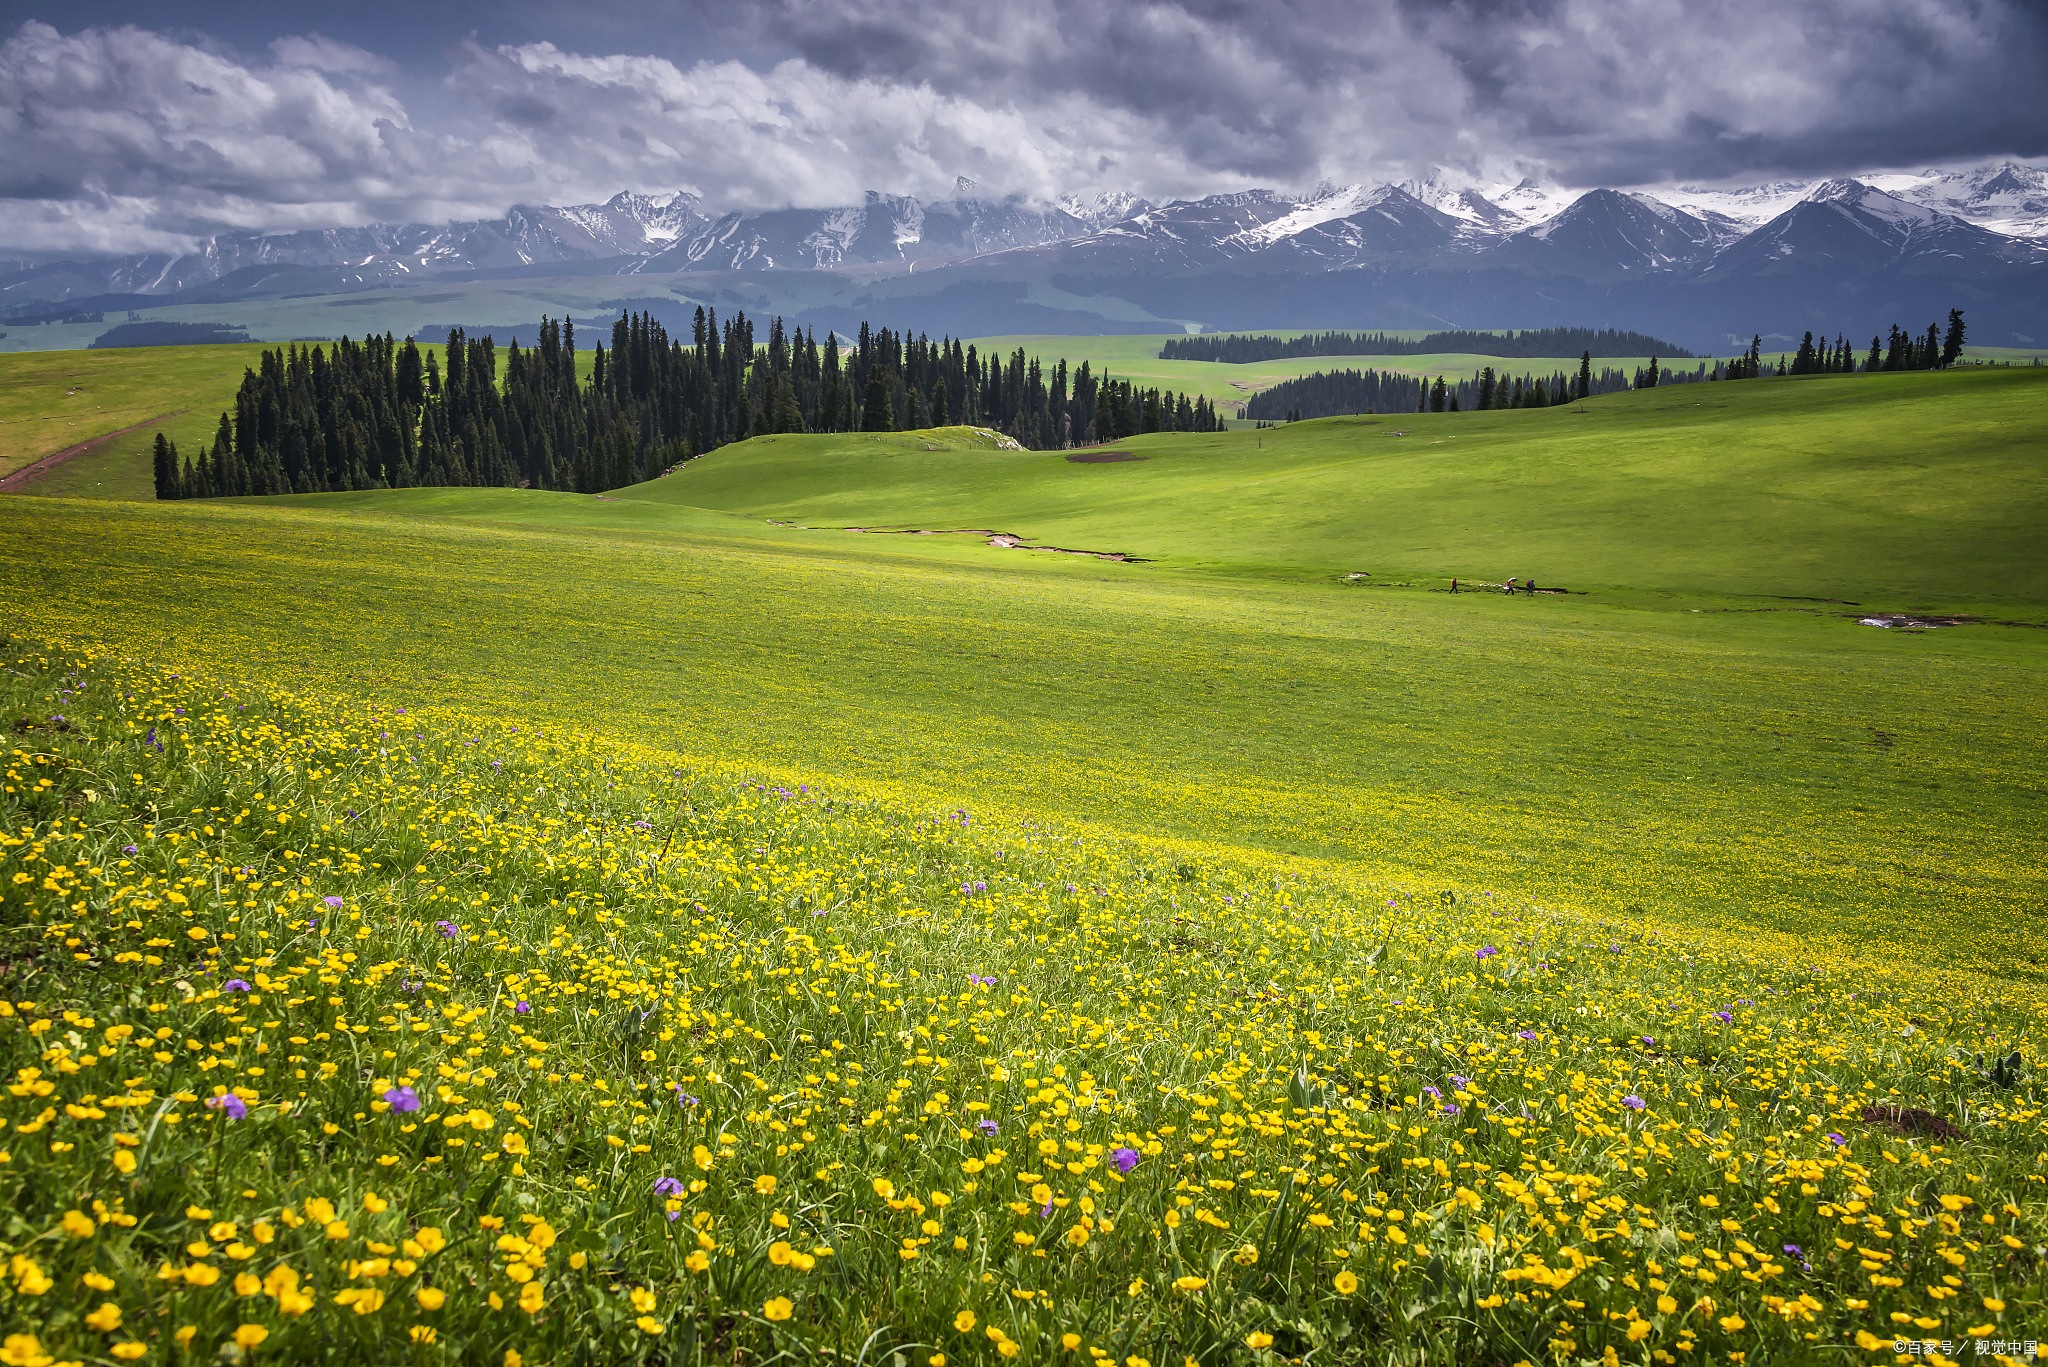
[1435, 249]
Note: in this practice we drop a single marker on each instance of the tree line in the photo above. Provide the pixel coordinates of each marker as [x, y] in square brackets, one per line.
[1338, 393]
[380, 413]
[1530, 343]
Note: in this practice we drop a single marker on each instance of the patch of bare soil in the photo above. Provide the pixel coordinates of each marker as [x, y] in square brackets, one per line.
[1911, 1122]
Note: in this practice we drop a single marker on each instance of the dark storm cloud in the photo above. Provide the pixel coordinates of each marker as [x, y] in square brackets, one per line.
[1591, 91]
[135, 134]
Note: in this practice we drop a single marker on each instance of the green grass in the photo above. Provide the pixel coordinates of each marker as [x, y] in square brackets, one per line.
[1915, 491]
[1697, 692]
[53, 399]
[1659, 743]
[1679, 888]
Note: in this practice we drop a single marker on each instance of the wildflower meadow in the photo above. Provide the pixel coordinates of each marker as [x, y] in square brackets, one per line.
[344, 1032]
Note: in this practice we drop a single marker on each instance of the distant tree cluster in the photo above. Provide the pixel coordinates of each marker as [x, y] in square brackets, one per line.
[381, 414]
[1384, 391]
[1338, 393]
[1244, 348]
[169, 334]
[1932, 350]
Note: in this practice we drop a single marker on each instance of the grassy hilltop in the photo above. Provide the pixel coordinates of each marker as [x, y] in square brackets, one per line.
[519, 927]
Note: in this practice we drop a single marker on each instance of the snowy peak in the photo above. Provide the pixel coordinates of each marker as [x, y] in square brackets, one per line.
[2009, 197]
[1099, 211]
[1885, 216]
[1846, 226]
[1615, 235]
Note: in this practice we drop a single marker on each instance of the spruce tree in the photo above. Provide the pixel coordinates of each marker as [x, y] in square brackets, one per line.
[166, 469]
[1952, 344]
[1585, 386]
[879, 413]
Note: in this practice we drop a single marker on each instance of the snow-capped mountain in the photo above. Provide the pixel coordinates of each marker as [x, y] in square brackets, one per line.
[1455, 247]
[2009, 198]
[1846, 226]
[1099, 211]
[1612, 235]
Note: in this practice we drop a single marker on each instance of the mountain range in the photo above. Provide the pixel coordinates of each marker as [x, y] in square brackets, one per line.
[1706, 263]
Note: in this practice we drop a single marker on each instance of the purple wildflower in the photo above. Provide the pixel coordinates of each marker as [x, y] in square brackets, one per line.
[1525, 1034]
[1450, 1108]
[335, 902]
[1633, 1102]
[987, 1126]
[128, 849]
[1795, 1250]
[1836, 1140]
[1723, 1017]
[234, 985]
[523, 1008]
[979, 981]
[448, 929]
[1434, 1093]
[1125, 1159]
[1486, 953]
[230, 1104]
[1647, 1040]
[668, 1186]
[402, 1099]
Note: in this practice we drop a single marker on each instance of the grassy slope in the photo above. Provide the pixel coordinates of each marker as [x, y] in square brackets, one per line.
[1919, 490]
[1751, 769]
[53, 399]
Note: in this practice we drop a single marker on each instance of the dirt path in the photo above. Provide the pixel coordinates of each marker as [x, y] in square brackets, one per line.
[28, 474]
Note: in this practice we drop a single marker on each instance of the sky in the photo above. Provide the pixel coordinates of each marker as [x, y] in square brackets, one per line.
[130, 126]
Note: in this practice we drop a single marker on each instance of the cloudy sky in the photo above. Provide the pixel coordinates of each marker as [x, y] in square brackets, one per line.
[128, 125]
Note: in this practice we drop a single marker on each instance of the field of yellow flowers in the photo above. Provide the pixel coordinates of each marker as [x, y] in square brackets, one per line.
[341, 1033]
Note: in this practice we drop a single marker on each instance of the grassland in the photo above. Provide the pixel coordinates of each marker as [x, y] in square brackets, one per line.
[1637, 946]
[54, 399]
[1821, 488]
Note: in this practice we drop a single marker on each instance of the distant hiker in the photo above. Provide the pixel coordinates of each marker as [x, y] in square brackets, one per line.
[1454, 585]
[1510, 585]
[1529, 587]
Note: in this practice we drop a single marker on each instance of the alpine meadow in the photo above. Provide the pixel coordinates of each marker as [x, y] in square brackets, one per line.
[719, 686]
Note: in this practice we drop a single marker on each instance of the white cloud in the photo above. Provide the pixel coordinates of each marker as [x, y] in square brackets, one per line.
[125, 138]
[790, 135]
